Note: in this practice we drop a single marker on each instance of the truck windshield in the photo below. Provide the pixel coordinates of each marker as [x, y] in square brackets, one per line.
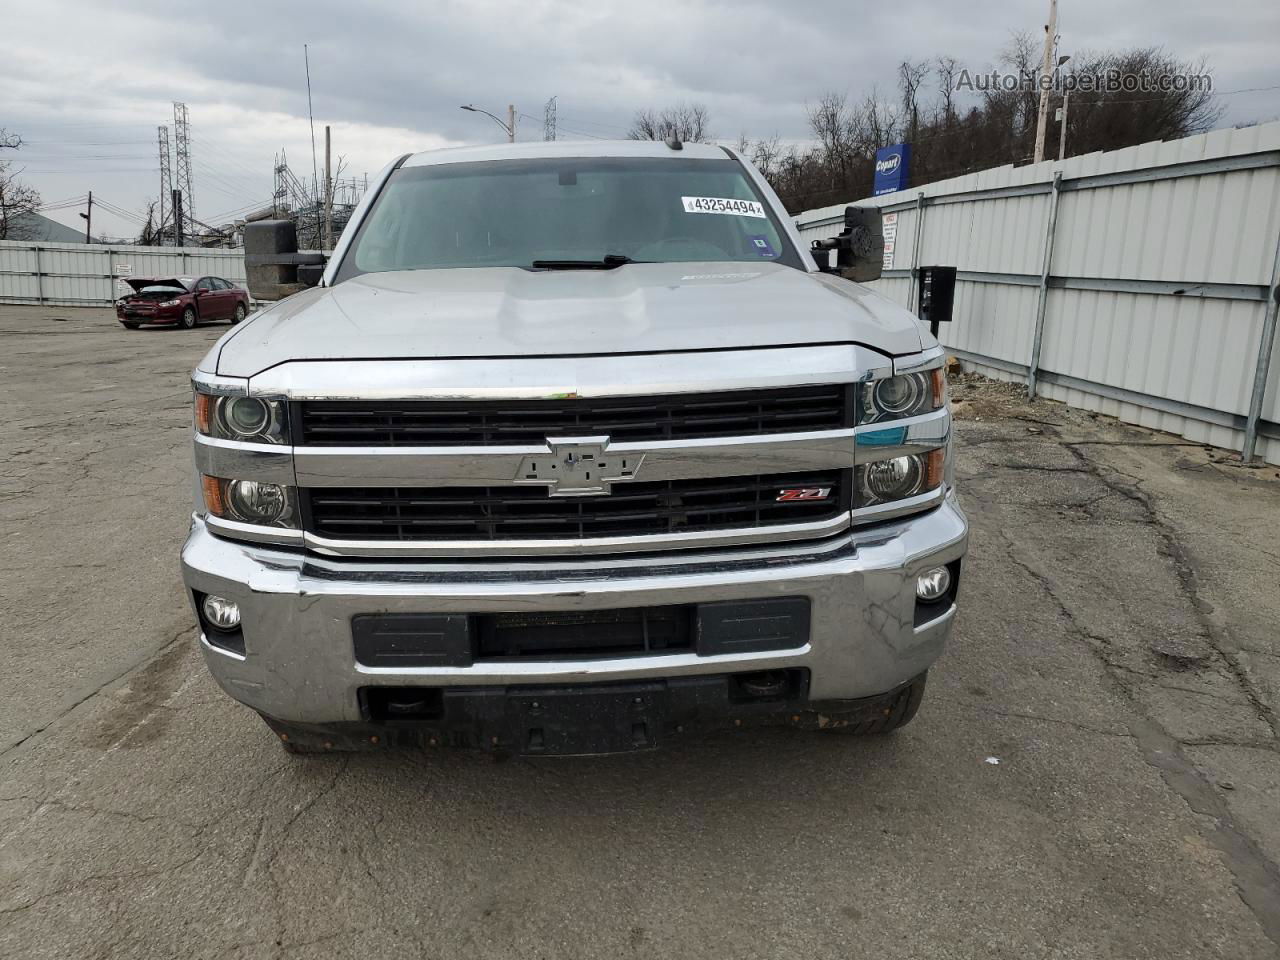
[565, 213]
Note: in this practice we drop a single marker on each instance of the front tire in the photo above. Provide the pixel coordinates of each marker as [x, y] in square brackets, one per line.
[188, 321]
[239, 314]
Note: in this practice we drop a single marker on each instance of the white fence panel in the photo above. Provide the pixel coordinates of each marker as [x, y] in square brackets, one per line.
[1163, 258]
[86, 274]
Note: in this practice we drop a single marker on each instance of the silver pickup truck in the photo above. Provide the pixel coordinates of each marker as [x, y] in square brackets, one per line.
[571, 449]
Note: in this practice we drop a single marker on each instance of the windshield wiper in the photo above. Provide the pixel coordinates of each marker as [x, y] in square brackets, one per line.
[609, 261]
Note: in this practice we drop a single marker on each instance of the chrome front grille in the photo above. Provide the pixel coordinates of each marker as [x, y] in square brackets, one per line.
[436, 423]
[635, 509]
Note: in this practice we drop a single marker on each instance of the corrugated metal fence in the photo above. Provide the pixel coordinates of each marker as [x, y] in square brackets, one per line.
[1136, 282]
[88, 274]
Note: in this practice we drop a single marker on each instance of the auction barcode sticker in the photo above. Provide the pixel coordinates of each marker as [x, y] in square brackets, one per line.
[738, 208]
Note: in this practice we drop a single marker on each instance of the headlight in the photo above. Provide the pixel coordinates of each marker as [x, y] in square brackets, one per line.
[170, 303]
[884, 481]
[250, 501]
[894, 398]
[252, 419]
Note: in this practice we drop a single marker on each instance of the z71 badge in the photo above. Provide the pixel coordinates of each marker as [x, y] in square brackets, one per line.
[802, 493]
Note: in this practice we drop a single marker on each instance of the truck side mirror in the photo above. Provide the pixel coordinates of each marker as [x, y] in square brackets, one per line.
[310, 274]
[859, 247]
[272, 263]
[935, 295]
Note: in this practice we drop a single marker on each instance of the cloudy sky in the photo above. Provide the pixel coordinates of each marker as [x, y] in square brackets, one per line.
[86, 83]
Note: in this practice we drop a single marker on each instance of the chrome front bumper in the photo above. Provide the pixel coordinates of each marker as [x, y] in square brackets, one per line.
[299, 664]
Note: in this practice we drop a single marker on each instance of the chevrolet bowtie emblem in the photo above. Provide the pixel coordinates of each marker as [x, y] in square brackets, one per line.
[578, 466]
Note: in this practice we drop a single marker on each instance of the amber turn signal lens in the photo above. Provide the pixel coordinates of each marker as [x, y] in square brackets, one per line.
[213, 499]
[204, 412]
[939, 383]
[933, 463]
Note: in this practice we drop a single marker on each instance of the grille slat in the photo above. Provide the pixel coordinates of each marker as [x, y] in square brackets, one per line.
[514, 513]
[525, 422]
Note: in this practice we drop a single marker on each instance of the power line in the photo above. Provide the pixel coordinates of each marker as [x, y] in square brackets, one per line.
[1232, 93]
[119, 211]
[227, 158]
[561, 126]
[68, 200]
[86, 143]
[248, 207]
[578, 121]
[85, 156]
[315, 175]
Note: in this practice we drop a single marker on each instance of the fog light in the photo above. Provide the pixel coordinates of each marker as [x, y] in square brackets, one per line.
[933, 584]
[221, 612]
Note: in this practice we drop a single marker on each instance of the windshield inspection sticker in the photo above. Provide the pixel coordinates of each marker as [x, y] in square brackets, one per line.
[728, 205]
[760, 243]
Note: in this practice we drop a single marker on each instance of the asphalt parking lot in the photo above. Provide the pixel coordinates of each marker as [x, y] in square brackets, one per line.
[1117, 653]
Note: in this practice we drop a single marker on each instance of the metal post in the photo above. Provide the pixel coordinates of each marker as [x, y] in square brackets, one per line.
[915, 250]
[1034, 366]
[1263, 370]
[39, 277]
[177, 218]
[1062, 129]
[511, 123]
[328, 194]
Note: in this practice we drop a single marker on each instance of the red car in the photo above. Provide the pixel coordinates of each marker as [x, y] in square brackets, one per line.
[181, 301]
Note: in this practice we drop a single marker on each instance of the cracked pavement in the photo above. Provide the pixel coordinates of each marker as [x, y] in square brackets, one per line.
[1116, 651]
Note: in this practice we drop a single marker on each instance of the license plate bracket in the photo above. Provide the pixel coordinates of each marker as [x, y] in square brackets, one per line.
[568, 722]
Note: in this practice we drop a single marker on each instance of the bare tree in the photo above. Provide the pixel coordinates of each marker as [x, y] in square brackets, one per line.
[766, 154]
[687, 122]
[880, 122]
[910, 76]
[18, 201]
[150, 235]
[1110, 119]
[1021, 56]
[945, 68]
[997, 127]
[835, 127]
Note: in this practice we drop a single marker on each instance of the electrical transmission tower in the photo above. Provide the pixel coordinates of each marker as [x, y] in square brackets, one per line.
[166, 183]
[549, 120]
[182, 165]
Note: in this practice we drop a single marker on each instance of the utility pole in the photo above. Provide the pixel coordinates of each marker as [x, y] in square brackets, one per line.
[328, 194]
[177, 218]
[1046, 67]
[509, 126]
[1062, 129]
[549, 120]
[88, 217]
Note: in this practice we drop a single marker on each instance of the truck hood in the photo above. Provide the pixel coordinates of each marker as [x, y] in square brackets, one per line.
[510, 312]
